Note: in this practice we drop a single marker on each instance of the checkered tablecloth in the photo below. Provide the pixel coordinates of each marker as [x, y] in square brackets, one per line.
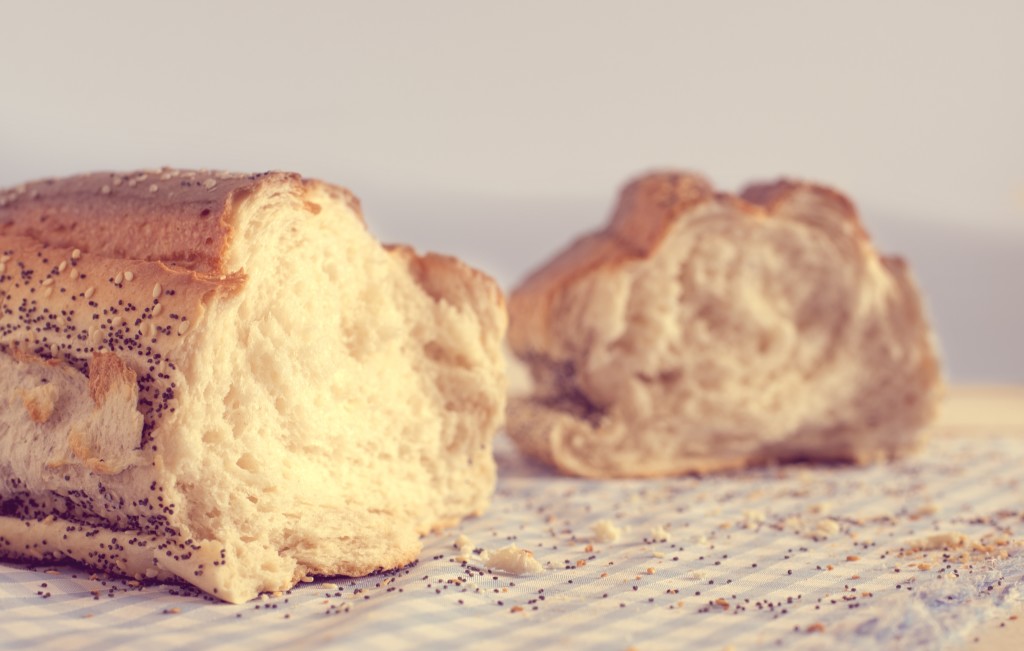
[917, 553]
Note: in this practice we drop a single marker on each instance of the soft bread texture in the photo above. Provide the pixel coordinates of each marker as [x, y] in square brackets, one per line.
[701, 331]
[226, 380]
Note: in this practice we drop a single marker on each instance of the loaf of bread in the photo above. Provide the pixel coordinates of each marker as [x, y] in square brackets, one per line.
[225, 379]
[701, 331]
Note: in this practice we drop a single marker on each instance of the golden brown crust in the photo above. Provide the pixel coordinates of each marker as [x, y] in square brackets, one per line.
[771, 196]
[180, 217]
[53, 540]
[39, 403]
[168, 215]
[650, 204]
[106, 370]
[447, 277]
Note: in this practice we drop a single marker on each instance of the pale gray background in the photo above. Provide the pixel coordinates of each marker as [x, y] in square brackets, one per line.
[498, 132]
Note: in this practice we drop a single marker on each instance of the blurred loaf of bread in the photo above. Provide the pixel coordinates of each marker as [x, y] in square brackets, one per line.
[701, 331]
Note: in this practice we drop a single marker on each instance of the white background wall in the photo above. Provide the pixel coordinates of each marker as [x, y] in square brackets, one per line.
[499, 131]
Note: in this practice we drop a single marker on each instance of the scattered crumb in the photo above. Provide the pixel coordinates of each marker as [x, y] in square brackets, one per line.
[942, 540]
[465, 547]
[853, 557]
[722, 603]
[826, 527]
[513, 560]
[660, 534]
[605, 531]
[816, 627]
[753, 518]
[924, 511]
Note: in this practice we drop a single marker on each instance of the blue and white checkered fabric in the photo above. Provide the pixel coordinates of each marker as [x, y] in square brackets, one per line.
[794, 557]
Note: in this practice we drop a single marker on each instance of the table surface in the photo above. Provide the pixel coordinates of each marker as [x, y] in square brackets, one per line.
[924, 552]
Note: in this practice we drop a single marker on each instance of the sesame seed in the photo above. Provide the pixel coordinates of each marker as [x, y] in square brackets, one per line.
[54, 350]
[76, 254]
[47, 282]
[119, 278]
[210, 184]
[182, 328]
[105, 189]
[157, 309]
[74, 272]
[48, 292]
[153, 187]
[129, 276]
[5, 257]
[117, 321]
[3, 267]
[62, 266]
[157, 290]
[89, 292]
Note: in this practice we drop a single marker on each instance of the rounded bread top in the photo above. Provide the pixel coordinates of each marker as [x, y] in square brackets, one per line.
[179, 217]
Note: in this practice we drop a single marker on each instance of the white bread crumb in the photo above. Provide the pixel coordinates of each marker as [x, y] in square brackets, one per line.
[942, 540]
[605, 531]
[753, 518]
[513, 560]
[465, 547]
[826, 527]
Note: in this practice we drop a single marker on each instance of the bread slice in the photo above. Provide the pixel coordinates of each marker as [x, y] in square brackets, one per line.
[225, 379]
[701, 331]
